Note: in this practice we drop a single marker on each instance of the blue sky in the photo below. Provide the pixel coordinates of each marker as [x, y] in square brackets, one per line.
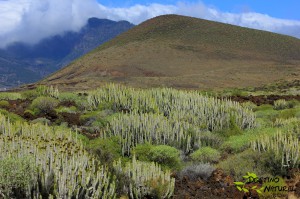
[44, 18]
[285, 9]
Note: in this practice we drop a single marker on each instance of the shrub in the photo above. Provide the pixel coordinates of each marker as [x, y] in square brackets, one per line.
[68, 97]
[83, 105]
[96, 119]
[266, 112]
[167, 156]
[249, 105]
[141, 151]
[195, 171]
[62, 109]
[206, 154]
[239, 143]
[44, 104]
[106, 150]
[30, 94]
[41, 120]
[4, 104]
[291, 122]
[16, 175]
[283, 104]
[288, 113]
[247, 161]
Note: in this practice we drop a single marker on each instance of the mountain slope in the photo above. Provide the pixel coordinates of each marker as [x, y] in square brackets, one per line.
[186, 52]
[52, 53]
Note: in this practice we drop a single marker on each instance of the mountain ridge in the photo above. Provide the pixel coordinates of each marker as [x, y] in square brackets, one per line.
[53, 52]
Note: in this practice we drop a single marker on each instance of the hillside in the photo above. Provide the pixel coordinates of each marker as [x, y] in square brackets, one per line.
[186, 52]
[23, 63]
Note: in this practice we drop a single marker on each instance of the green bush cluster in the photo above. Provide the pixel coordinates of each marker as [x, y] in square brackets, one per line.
[106, 150]
[68, 97]
[4, 104]
[283, 104]
[41, 120]
[249, 105]
[247, 161]
[44, 104]
[168, 157]
[206, 154]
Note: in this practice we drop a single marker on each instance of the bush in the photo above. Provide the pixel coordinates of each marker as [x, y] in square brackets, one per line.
[288, 113]
[16, 175]
[68, 97]
[239, 143]
[168, 157]
[106, 150]
[195, 171]
[266, 111]
[249, 105]
[291, 122]
[62, 109]
[83, 105]
[241, 163]
[283, 104]
[4, 104]
[41, 120]
[44, 104]
[206, 154]
[141, 151]
[30, 94]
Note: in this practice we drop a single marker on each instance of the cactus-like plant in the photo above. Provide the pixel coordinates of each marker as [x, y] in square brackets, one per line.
[146, 179]
[64, 168]
[283, 146]
[167, 116]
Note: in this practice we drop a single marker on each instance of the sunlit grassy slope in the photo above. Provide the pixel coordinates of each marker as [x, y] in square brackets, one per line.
[185, 52]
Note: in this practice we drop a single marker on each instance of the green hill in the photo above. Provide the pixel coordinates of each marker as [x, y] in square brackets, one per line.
[186, 52]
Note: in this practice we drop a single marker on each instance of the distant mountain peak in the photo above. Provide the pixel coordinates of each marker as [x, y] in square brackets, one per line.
[96, 22]
[24, 63]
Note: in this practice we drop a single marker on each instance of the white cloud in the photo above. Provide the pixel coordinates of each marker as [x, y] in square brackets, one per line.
[32, 20]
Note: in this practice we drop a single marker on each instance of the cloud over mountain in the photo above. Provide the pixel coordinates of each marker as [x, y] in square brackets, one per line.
[31, 20]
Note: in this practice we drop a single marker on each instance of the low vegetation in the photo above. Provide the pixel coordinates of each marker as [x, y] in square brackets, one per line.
[121, 142]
